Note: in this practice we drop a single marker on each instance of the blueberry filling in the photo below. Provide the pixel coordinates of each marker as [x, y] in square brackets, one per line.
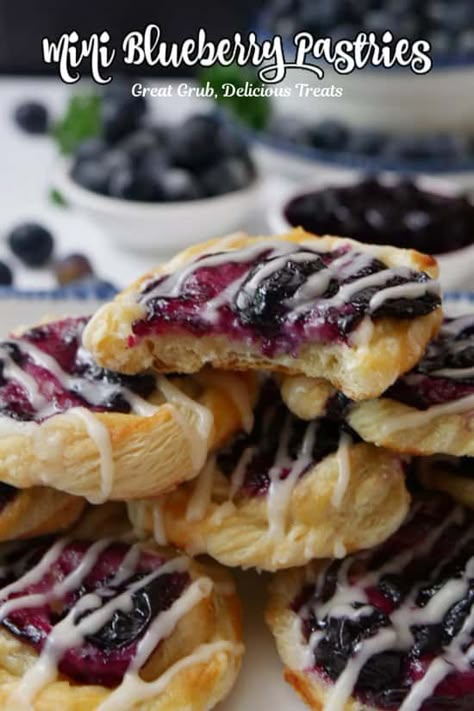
[7, 495]
[272, 420]
[76, 381]
[103, 656]
[445, 373]
[280, 296]
[391, 588]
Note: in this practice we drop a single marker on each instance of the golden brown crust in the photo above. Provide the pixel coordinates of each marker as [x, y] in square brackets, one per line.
[149, 454]
[283, 623]
[37, 512]
[360, 370]
[197, 687]
[434, 473]
[378, 421]
[237, 534]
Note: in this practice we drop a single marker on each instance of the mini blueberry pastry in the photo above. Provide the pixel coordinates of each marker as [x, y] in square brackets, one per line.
[26, 513]
[100, 623]
[389, 628]
[69, 424]
[451, 475]
[431, 409]
[286, 492]
[327, 307]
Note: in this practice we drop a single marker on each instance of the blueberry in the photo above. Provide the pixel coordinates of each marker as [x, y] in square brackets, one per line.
[6, 276]
[119, 118]
[91, 148]
[72, 268]
[131, 184]
[226, 176]
[155, 160]
[178, 184]
[138, 144]
[231, 141]
[330, 135]
[192, 145]
[120, 91]
[93, 175]
[32, 117]
[31, 243]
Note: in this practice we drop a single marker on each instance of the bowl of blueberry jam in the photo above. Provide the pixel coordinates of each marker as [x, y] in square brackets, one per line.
[430, 216]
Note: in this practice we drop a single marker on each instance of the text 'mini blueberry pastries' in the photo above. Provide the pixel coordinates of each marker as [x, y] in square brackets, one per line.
[100, 624]
[282, 494]
[387, 629]
[327, 307]
[69, 424]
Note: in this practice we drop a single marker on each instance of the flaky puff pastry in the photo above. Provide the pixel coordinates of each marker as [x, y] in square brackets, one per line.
[112, 455]
[372, 358]
[201, 516]
[450, 475]
[26, 513]
[285, 626]
[193, 667]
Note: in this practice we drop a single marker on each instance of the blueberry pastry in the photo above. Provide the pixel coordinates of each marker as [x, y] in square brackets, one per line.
[102, 624]
[451, 475]
[71, 425]
[328, 307]
[389, 628]
[26, 513]
[282, 494]
[431, 409]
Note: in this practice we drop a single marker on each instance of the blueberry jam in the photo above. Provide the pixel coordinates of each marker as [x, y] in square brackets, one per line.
[280, 296]
[71, 379]
[104, 654]
[410, 601]
[277, 441]
[445, 373]
[401, 215]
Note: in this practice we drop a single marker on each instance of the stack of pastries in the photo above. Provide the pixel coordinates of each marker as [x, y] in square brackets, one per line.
[294, 404]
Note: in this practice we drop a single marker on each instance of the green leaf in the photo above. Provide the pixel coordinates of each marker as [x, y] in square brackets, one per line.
[57, 198]
[81, 120]
[253, 111]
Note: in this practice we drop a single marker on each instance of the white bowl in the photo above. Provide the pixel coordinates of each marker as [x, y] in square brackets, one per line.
[159, 227]
[456, 270]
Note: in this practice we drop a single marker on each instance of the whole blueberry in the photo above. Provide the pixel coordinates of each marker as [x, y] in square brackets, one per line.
[32, 243]
[90, 149]
[192, 144]
[330, 135]
[130, 184]
[179, 184]
[119, 118]
[6, 276]
[92, 174]
[72, 268]
[137, 144]
[231, 141]
[32, 117]
[226, 176]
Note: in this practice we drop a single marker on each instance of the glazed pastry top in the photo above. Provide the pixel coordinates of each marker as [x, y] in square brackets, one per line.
[281, 294]
[45, 371]
[393, 626]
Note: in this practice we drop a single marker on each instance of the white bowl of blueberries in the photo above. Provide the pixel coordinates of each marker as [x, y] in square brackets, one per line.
[429, 215]
[161, 187]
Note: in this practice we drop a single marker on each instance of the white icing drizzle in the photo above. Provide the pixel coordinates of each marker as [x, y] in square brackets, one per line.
[12, 371]
[343, 267]
[73, 629]
[159, 531]
[238, 475]
[411, 420]
[344, 464]
[279, 493]
[134, 689]
[99, 433]
[456, 373]
[238, 393]
[408, 615]
[198, 433]
[201, 496]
